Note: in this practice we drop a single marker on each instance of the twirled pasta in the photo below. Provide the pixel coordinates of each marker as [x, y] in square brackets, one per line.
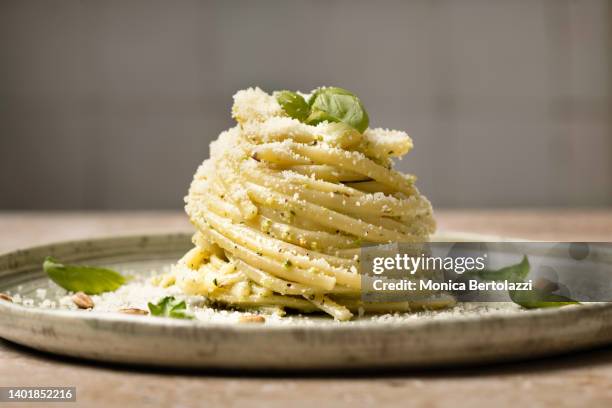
[281, 209]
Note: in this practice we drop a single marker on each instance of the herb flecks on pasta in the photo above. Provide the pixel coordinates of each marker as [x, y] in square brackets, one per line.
[282, 207]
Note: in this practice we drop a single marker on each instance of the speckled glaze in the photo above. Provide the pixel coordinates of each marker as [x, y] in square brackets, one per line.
[166, 342]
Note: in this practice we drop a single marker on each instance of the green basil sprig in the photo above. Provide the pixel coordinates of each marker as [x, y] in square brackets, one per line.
[81, 278]
[170, 307]
[330, 104]
[293, 104]
[539, 299]
[531, 299]
[337, 105]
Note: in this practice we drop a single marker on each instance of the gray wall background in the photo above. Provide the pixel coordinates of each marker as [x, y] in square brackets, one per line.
[112, 104]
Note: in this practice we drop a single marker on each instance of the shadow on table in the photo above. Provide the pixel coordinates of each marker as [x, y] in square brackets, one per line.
[558, 363]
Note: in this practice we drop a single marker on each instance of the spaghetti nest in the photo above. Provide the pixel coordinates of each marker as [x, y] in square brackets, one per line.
[282, 208]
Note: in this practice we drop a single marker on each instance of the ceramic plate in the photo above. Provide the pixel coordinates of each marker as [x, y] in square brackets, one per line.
[471, 333]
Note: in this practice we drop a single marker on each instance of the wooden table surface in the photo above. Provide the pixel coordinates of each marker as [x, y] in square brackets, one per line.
[583, 379]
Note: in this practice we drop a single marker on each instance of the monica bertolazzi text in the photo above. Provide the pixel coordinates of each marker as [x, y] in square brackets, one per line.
[427, 284]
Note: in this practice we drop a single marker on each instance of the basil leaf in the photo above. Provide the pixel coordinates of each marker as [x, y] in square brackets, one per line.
[170, 307]
[293, 104]
[318, 116]
[536, 299]
[337, 105]
[80, 278]
[322, 89]
[512, 273]
[529, 299]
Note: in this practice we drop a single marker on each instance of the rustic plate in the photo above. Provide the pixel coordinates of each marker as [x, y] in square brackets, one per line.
[473, 334]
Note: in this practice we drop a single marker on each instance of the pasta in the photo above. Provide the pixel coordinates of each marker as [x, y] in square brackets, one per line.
[281, 209]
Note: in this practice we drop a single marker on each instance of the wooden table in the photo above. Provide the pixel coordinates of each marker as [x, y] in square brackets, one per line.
[583, 379]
